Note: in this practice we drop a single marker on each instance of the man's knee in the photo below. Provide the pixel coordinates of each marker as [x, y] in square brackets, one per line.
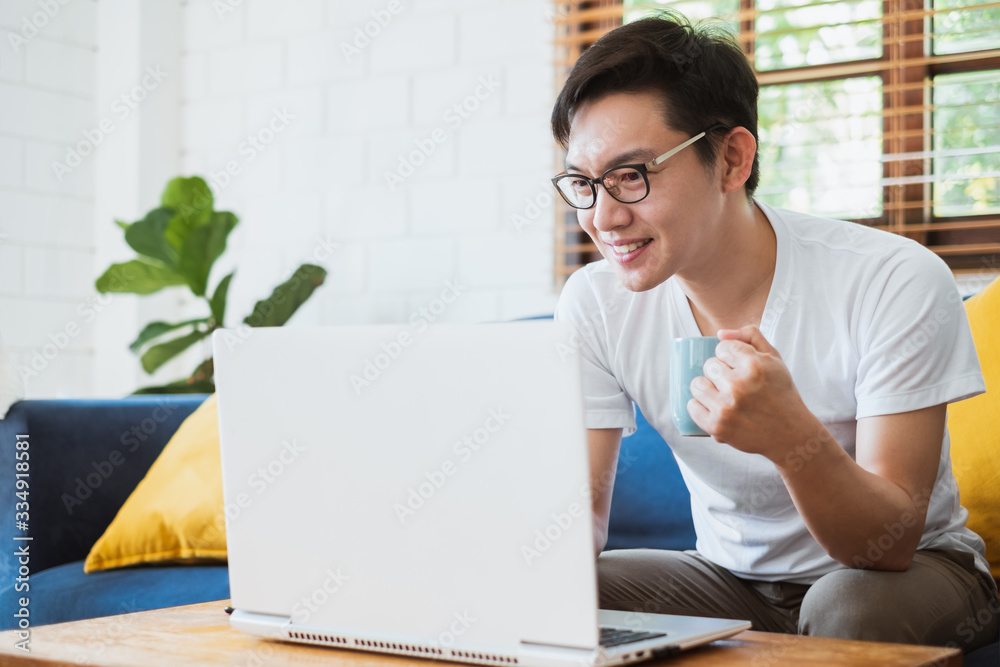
[850, 604]
[638, 579]
[617, 581]
[917, 607]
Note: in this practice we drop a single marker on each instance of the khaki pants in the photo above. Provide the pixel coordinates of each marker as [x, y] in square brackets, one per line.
[940, 600]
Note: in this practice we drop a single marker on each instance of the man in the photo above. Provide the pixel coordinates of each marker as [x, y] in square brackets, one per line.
[824, 501]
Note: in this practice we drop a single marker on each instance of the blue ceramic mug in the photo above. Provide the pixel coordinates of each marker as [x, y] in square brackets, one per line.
[687, 359]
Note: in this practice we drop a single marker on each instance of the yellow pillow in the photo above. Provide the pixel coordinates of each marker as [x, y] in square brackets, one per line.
[974, 425]
[176, 512]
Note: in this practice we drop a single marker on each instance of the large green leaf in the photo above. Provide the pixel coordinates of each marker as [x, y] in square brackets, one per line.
[202, 247]
[160, 354]
[286, 298]
[138, 277]
[156, 329]
[148, 237]
[204, 372]
[191, 197]
[179, 387]
[191, 201]
[218, 302]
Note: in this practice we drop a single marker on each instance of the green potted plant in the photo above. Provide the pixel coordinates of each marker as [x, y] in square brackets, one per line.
[177, 243]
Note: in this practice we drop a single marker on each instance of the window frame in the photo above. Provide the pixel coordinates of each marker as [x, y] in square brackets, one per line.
[907, 67]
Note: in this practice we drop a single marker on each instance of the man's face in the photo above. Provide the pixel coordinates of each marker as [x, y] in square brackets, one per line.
[671, 229]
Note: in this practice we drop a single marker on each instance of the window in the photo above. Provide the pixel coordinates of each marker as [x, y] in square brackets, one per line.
[884, 112]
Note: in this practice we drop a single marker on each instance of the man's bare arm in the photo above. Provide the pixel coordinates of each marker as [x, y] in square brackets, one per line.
[870, 513]
[603, 445]
[748, 400]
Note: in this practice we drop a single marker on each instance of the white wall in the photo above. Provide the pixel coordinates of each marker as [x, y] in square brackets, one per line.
[361, 104]
[333, 110]
[47, 97]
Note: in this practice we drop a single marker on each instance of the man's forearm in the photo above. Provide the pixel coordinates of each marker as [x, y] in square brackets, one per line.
[600, 535]
[860, 518]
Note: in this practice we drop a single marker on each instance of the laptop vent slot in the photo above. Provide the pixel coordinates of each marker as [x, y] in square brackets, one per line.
[320, 639]
[484, 657]
[395, 646]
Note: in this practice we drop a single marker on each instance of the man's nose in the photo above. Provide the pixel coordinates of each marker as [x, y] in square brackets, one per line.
[609, 213]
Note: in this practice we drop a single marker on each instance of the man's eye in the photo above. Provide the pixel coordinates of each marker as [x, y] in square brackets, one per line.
[629, 177]
[580, 185]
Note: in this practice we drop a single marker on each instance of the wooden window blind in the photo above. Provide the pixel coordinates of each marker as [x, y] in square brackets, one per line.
[883, 112]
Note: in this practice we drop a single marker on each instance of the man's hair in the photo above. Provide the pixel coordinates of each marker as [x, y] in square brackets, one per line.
[700, 74]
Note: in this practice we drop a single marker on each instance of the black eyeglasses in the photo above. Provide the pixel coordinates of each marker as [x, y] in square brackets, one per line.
[628, 183]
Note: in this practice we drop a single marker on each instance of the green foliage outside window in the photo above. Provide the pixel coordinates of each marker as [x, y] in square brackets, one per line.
[821, 143]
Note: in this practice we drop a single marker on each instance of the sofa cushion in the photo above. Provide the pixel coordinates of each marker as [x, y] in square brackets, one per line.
[176, 511]
[650, 505]
[86, 458]
[974, 426]
[65, 593]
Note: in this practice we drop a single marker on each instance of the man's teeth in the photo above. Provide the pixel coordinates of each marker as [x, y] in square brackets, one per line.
[624, 249]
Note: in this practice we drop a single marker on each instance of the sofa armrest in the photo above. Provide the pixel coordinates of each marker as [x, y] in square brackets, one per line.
[85, 458]
[650, 505]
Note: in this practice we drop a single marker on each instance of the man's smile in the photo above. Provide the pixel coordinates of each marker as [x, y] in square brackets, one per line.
[626, 250]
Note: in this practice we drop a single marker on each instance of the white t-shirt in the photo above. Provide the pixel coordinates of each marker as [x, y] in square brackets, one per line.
[868, 323]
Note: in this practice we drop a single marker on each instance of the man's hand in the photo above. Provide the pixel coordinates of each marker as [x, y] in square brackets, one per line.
[747, 399]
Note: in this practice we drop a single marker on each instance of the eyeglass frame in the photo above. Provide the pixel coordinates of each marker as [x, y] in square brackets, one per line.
[639, 167]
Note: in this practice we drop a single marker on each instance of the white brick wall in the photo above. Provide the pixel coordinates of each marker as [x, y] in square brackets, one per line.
[452, 97]
[447, 98]
[47, 81]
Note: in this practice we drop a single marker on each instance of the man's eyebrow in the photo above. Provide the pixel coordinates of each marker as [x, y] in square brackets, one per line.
[640, 155]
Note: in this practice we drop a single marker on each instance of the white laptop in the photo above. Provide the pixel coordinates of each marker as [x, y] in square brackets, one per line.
[420, 491]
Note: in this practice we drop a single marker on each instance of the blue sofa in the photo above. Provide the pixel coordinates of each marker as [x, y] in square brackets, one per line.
[86, 457]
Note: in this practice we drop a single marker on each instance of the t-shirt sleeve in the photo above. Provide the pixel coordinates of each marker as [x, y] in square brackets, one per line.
[915, 345]
[605, 402]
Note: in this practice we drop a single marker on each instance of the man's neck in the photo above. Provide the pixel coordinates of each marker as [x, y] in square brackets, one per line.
[730, 290]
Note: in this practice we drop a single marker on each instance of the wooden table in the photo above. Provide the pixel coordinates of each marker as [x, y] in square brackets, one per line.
[200, 635]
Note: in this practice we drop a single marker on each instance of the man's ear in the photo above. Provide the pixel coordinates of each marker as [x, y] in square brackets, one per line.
[737, 158]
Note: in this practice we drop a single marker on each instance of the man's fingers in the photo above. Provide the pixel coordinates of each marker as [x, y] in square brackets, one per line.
[698, 412]
[750, 335]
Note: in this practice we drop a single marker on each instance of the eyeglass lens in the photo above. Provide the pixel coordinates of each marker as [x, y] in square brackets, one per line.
[625, 184]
